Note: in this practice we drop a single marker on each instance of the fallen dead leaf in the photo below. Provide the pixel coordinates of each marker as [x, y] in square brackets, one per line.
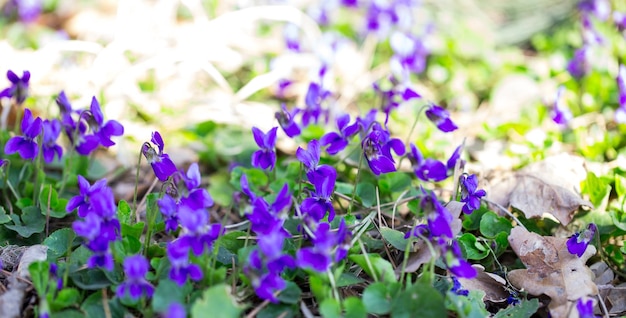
[34, 253]
[548, 186]
[551, 270]
[616, 299]
[492, 284]
[614, 296]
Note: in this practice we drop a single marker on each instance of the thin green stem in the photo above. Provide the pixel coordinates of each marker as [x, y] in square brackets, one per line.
[367, 261]
[356, 182]
[417, 117]
[331, 278]
[137, 185]
[38, 167]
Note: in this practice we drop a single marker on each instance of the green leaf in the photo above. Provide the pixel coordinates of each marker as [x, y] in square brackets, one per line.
[419, 298]
[491, 224]
[278, 310]
[291, 294]
[377, 299]
[596, 188]
[382, 269]
[231, 241]
[470, 306]
[525, 309]
[221, 190]
[367, 193]
[48, 198]
[65, 298]
[471, 222]
[394, 182]
[168, 292]
[330, 308]
[134, 230]
[4, 218]
[124, 213]
[92, 307]
[394, 237]
[354, 308]
[59, 242]
[216, 302]
[348, 279]
[311, 132]
[69, 313]
[90, 279]
[620, 186]
[32, 220]
[40, 275]
[344, 188]
[472, 249]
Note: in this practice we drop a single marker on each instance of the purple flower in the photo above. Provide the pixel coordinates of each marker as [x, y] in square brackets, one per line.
[194, 196]
[337, 142]
[393, 97]
[310, 158]
[104, 130]
[18, 88]
[199, 234]
[175, 310]
[619, 18]
[136, 267]
[319, 203]
[178, 255]
[577, 244]
[100, 226]
[26, 145]
[427, 169]
[169, 209]
[600, 8]
[51, 132]
[82, 201]
[469, 193]
[620, 113]
[286, 120]
[315, 96]
[326, 244]
[457, 288]
[291, 32]
[585, 308]
[441, 118]
[410, 54]
[26, 10]
[377, 147]
[560, 113]
[265, 157]
[456, 263]
[161, 163]
[579, 65]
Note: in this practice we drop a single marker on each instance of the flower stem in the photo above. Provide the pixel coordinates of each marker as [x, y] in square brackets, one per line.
[331, 278]
[137, 185]
[356, 182]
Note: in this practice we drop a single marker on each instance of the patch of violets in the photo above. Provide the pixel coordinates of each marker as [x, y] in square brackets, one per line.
[432, 170]
[26, 145]
[99, 226]
[470, 194]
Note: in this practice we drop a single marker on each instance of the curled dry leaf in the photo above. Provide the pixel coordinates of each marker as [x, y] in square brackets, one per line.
[551, 270]
[548, 186]
[614, 296]
[35, 253]
[492, 284]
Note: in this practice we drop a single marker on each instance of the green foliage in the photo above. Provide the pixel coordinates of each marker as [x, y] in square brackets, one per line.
[216, 302]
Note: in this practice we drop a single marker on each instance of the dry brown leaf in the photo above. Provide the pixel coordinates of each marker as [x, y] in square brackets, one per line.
[492, 284]
[614, 296]
[616, 299]
[551, 270]
[548, 186]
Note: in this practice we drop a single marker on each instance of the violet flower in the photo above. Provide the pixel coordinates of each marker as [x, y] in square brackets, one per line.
[310, 158]
[457, 288]
[410, 54]
[560, 113]
[620, 113]
[291, 33]
[328, 247]
[319, 203]
[199, 233]
[427, 169]
[619, 18]
[337, 142]
[579, 65]
[439, 218]
[168, 207]
[585, 308]
[441, 118]
[100, 227]
[377, 147]
[470, 194]
[393, 97]
[600, 8]
[135, 267]
[265, 157]
[456, 263]
[175, 310]
[286, 120]
[18, 88]
[178, 255]
[51, 132]
[577, 244]
[82, 201]
[161, 163]
[26, 145]
[26, 10]
[193, 195]
[104, 130]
